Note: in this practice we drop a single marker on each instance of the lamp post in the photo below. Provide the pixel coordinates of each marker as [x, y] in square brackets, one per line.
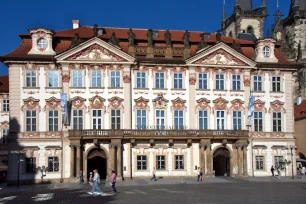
[291, 148]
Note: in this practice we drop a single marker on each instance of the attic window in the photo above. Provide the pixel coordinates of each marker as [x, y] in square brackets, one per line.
[206, 36]
[155, 34]
[266, 51]
[100, 31]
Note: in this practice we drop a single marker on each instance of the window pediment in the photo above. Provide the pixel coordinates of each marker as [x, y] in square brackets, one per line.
[203, 104]
[30, 103]
[220, 103]
[141, 103]
[78, 102]
[115, 102]
[277, 106]
[52, 103]
[178, 104]
[237, 104]
[160, 102]
[97, 102]
[220, 57]
[259, 105]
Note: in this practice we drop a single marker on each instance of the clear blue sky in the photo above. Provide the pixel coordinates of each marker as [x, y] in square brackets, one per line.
[17, 16]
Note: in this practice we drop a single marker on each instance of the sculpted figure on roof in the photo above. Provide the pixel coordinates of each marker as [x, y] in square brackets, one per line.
[168, 38]
[75, 41]
[114, 40]
[186, 39]
[131, 37]
[150, 37]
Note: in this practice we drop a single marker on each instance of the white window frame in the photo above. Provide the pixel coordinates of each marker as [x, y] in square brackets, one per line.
[31, 76]
[97, 118]
[160, 120]
[54, 80]
[142, 160]
[55, 161]
[277, 159]
[203, 80]
[115, 116]
[237, 120]
[77, 78]
[276, 82]
[5, 105]
[178, 80]
[42, 43]
[219, 80]
[259, 162]
[96, 78]
[160, 162]
[140, 80]
[220, 120]
[257, 82]
[277, 121]
[236, 82]
[201, 115]
[32, 119]
[79, 119]
[115, 79]
[4, 136]
[179, 162]
[266, 51]
[257, 123]
[179, 118]
[159, 80]
[141, 114]
[53, 124]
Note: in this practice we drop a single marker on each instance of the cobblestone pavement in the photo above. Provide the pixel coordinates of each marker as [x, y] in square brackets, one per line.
[232, 191]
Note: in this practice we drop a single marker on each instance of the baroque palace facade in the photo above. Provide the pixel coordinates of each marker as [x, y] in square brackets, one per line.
[173, 100]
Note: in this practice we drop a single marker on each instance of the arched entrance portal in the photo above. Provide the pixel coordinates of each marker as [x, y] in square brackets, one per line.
[222, 162]
[97, 159]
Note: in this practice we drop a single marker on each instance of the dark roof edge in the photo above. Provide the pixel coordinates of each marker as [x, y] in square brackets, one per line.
[279, 65]
[299, 119]
[162, 61]
[28, 58]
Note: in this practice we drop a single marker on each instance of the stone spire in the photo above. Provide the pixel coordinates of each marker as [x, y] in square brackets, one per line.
[296, 3]
[224, 12]
[264, 3]
[244, 4]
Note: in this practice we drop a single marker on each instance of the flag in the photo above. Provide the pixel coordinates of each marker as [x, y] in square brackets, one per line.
[64, 105]
[251, 106]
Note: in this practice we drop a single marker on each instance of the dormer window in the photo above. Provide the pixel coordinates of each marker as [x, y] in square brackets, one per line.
[42, 44]
[266, 51]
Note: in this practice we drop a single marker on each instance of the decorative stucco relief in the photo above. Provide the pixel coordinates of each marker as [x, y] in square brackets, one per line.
[203, 104]
[160, 102]
[220, 57]
[277, 106]
[220, 104]
[178, 104]
[97, 102]
[141, 103]
[52, 103]
[115, 103]
[78, 102]
[30, 103]
[260, 106]
[237, 104]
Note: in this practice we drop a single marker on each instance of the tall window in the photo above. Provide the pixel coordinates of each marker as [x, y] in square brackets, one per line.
[236, 82]
[77, 116]
[220, 120]
[96, 79]
[159, 80]
[160, 119]
[266, 51]
[31, 165]
[30, 120]
[203, 119]
[5, 105]
[277, 122]
[30, 78]
[160, 162]
[141, 80]
[237, 120]
[259, 162]
[4, 136]
[115, 119]
[278, 160]
[115, 79]
[257, 83]
[141, 119]
[178, 119]
[276, 84]
[179, 162]
[141, 162]
[77, 78]
[220, 81]
[258, 122]
[53, 78]
[97, 119]
[53, 164]
[53, 120]
[178, 80]
[202, 81]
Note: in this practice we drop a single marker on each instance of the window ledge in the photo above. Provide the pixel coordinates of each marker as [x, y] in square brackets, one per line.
[161, 89]
[53, 87]
[276, 92]
[25, 87]
[202, 89]
[220, 90]
[77, 87]
[258, 91]
[92, 87]
[115, 87]
[141, 88]
[232, 90]
[178, 89]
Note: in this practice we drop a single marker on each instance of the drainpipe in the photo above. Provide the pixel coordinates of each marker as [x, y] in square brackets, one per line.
[131, 118]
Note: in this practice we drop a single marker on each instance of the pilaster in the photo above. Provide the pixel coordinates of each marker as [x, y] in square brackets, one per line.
[169, 53]
[72, 161]
[245, 161]
[192, 100]
[78, 160]
[150, 52]
[127, 124]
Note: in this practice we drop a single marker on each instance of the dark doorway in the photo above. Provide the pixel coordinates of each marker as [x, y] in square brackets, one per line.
[222, 162]
[96, 159]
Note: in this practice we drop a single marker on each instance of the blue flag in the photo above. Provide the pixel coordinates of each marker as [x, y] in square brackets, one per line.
[251, 106]
[65, 106]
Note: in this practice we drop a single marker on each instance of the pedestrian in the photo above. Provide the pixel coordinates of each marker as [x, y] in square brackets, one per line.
[199, 174]
[278, 171]
[90, 180]
[154, 174]
[96, 183]
[303, 172]
[272, 171]
[81, 179]
[113, 181]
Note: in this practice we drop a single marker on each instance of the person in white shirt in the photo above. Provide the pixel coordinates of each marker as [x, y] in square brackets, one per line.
[96, 183]
[154, 174]
[199, 173]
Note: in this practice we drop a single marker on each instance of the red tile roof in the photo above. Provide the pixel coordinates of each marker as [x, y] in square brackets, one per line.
[4, 84]
[63, 40]
[300, 111]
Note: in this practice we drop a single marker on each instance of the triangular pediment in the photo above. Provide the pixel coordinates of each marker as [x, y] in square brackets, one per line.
[95, 50]
[220, 54]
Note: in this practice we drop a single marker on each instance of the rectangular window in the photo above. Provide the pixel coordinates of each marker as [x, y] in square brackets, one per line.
[115, 119]
[141, 80]
[141, 119]
[257, 83]
[77, 78]
[179, 162]
[178, 119]
[236, 82]
[5, 105]
[96, 119]
[258, 121]
[220, 81]
[178, 80]
[277, 161]
[159, 80]
[202, 81]
[77, 117]
[53, 120]
[96, 79]
[53, 77]
[276, 84]
[141, 162]
[30, 120]
[115, 79]
[53, 164]
[220, 120]
[203, 119]
[277, 122]
[4, 136]
[160, 119]
[259, 162]
[31, 165]
[30, 78]
[160, 162]
[237, 120]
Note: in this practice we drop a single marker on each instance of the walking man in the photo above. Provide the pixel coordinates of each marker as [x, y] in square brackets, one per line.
[272, 171]
[199, 174]
[303, 172]
[96, 183]
[278, 171]
[113, 181]
[154, 174]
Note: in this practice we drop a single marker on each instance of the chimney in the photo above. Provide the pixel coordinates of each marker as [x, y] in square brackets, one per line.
[75, 24]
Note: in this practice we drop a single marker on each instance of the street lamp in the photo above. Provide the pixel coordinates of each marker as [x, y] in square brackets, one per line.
[18, 153]
[291, 148]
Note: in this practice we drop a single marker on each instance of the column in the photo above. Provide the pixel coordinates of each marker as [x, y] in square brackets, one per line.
[235, 160]
[208, 159]
[72, 161]
[240, 158]
[78, 160]
[192, 99]
[245, 161]
[119, 161]
[111, 159]
[127, 124]
[202, 158]
[84, 164]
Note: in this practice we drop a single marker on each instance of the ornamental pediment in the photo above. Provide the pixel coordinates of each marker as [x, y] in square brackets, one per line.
[220, 57]
[97, 102]
[160, 102]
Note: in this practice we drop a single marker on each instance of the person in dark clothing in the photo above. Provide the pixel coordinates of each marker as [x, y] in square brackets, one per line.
[272, 171]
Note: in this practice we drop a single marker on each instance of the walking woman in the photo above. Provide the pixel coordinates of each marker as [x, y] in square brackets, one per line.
[90, 180]
[96, 183]
[113, 181]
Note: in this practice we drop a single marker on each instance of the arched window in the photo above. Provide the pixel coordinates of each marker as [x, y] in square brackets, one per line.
[230, 34]
[250, 29]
